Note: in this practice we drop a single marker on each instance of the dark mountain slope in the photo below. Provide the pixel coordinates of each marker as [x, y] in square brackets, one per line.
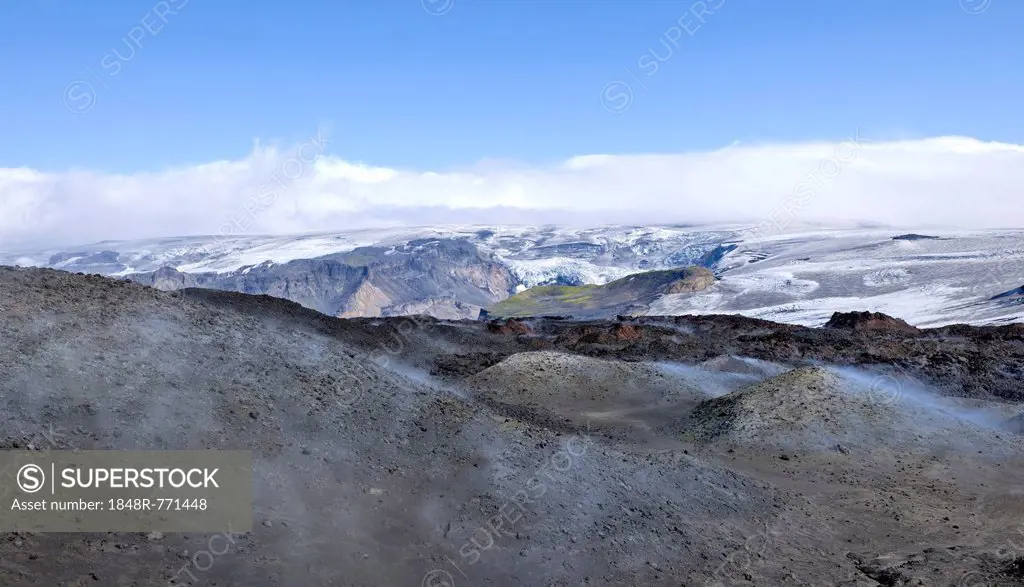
[442, 277]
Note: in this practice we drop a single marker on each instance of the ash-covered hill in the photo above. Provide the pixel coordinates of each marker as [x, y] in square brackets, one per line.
[416, 451]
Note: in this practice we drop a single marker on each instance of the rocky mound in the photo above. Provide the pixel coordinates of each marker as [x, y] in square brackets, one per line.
[615, 334]
[694, 279]
[783, 409]
[509, 326]
[867, 321]
[546, 377]
[817, 409]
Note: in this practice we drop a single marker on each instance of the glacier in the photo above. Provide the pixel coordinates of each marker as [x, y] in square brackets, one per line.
[799, 275]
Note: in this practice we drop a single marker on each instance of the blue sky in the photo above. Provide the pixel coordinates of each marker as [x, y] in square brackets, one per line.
[494, 79]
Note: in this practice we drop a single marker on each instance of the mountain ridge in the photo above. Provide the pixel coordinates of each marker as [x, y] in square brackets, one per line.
[800, 274]
[630, 294]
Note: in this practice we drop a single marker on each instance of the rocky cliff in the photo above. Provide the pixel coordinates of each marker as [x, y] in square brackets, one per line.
[445, 278]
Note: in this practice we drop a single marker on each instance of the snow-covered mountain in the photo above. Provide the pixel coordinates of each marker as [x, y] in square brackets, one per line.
[803, 278]
[537, 254]
[800, 275]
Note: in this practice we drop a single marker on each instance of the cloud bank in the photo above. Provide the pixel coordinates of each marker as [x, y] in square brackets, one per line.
[947, 181]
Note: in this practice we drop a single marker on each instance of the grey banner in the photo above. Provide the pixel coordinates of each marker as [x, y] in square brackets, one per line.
[126, 491]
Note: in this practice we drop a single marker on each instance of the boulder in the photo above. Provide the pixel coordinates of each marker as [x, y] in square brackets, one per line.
[859, 321]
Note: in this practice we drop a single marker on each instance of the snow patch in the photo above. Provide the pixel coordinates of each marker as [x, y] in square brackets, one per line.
[565, 271]
[887, 277]
[781, 282]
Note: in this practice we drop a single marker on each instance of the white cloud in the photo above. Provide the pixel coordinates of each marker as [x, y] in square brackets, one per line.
[951, 181]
